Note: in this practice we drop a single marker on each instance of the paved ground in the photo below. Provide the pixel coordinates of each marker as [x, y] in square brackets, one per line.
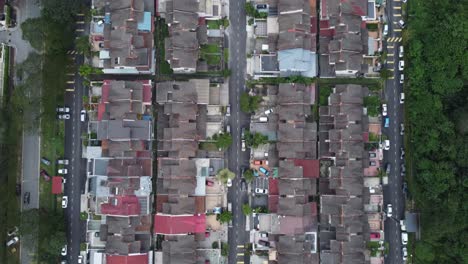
[393, 191]
[31, 140]
[237, 235]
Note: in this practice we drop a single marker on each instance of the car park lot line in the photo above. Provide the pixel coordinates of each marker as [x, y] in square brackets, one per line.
[397, 15]
[397, 7]
[397, 30]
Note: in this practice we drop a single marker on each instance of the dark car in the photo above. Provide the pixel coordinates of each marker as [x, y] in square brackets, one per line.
[45, 161]
[18, 189]
[243, 184]
[388, 167]
[26, 197]
[264, 243]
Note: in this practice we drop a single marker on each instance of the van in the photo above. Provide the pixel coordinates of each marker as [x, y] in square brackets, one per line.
[263, 119]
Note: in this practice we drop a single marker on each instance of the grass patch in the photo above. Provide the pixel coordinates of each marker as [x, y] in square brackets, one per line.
[226, 55]
[325, 92]
[210, 48]
[372, 84]
[213, 24]
[6, 71]
[208, 146]
[162, 32]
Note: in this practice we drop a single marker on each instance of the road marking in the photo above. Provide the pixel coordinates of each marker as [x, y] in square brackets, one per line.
[240, 246]
[79, 30]
[397, 15]
[397, 7]
[80, 22]
[70, 90]
[397, 30]
[390, 62]
[390, 54]
[390, 47]
[240, 254]
[71, 82]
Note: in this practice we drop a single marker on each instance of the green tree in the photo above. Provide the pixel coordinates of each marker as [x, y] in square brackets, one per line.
[86, 70]
[225, 174]
[249, 104]
[255, 139]
[385, 73]
[29, 222]
[248, 175]
[224, 217]
[60, 11]
[250, 9]
[372, 103]
[33, 32]
[246, 209]
[224, 249]
[83, 45]
[222, 140]
[215, 245]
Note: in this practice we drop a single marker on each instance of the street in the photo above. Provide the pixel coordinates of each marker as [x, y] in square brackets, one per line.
[237, 235]
[393, 193]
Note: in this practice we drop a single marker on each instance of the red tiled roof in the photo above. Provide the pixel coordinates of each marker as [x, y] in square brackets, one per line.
[273, 201]
[147, 93]
[311, 168]
[313, 25]
[365, 136]
[56, 185]
[179, 225]
[160, 200]
[125, 205]
[324, 24]
[101, 110]
[105, 91]
[327, 32]
[273, 186]
[324, 8]
[133, 259]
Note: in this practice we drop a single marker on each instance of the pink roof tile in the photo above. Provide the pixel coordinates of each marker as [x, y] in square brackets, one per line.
[311, 168]
[124, 205]
[57, 185]
[133, 259]
[179, 225]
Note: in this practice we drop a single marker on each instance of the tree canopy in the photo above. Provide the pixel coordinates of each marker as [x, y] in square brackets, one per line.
[249, 104]
[248, 175]
[224, 217]
[222, 140]
[255, 139]
[225, 174]
[436, 90]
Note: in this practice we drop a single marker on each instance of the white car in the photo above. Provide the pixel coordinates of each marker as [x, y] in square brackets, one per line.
[269, 111]
[83, 115]
[64, 116]
[13, 231]
[62, 171]
[402, 78]
[389, 210]
[80, 259]
[386, 144]
[261, 191]
[64, 201]
[12, 241]
[63, 162]
[228, 110]
[243, 145]
[404, 238]
[404, 253]
[402, 129]
[385, 30]
[402, 225]
[402, 98]
[401, 23]
[64, 251]
[63, 109]
[229, 183]
[384, 109]
[401, 65]
[401, 52]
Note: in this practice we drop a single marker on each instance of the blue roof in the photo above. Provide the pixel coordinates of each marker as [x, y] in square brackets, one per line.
[145, 24]
[297, 62]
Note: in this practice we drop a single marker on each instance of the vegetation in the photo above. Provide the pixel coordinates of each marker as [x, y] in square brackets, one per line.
[246, 209]
[225, 174]
[249, 104]
[224, 249]
[324, 94]
[86, 70]
[224, 217]
[161, 32]
[215, 245]
[251, 11]
[83, 216]
[216, 24]
[255, 139]
[372, 27]
[248, 175]
[437, 100]
[83, 45]
[211, 53]
[372, 103]
[222, 140]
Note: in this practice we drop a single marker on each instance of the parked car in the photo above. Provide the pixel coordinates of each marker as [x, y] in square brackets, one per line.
[62, 161]
[372, 163]
[385, 30]
[375, 235]
[262, 6]
[12, 231]
[243, 148]
[404, 238]
[26, 197]
[83, 115]
[229, 183]
[401, 65]
[402, 78]
[64, 180]
[402, 169]
[269, 111]
[45, 175]
[62, 109]
[12, 241]
[64, 201]
[62, 171]
[388, 167]
[243, 184]
[402, 225]
[243, 132]
[261, 191]
[389, 210]
[387, 121]
[263, 119]
[263, 234]
[64, 116]
[402, 98]
[402, 153]
[64, 251]
[401, 23]
[400, 52]
[402, 129]
[18, 189]
[228, 110]
[45, 161]
[264, 171]
[386, 144]
[384, 109]
[372, 155]
[80, 259]
[404, 254]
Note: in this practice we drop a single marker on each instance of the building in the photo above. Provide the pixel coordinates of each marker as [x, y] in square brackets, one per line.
[122, 33]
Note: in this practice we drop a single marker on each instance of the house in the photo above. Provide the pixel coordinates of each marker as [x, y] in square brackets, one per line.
[123, 36]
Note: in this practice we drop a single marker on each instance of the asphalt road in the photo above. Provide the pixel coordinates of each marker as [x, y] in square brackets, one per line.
[237, 236]
[76, 167]
[393, 193]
